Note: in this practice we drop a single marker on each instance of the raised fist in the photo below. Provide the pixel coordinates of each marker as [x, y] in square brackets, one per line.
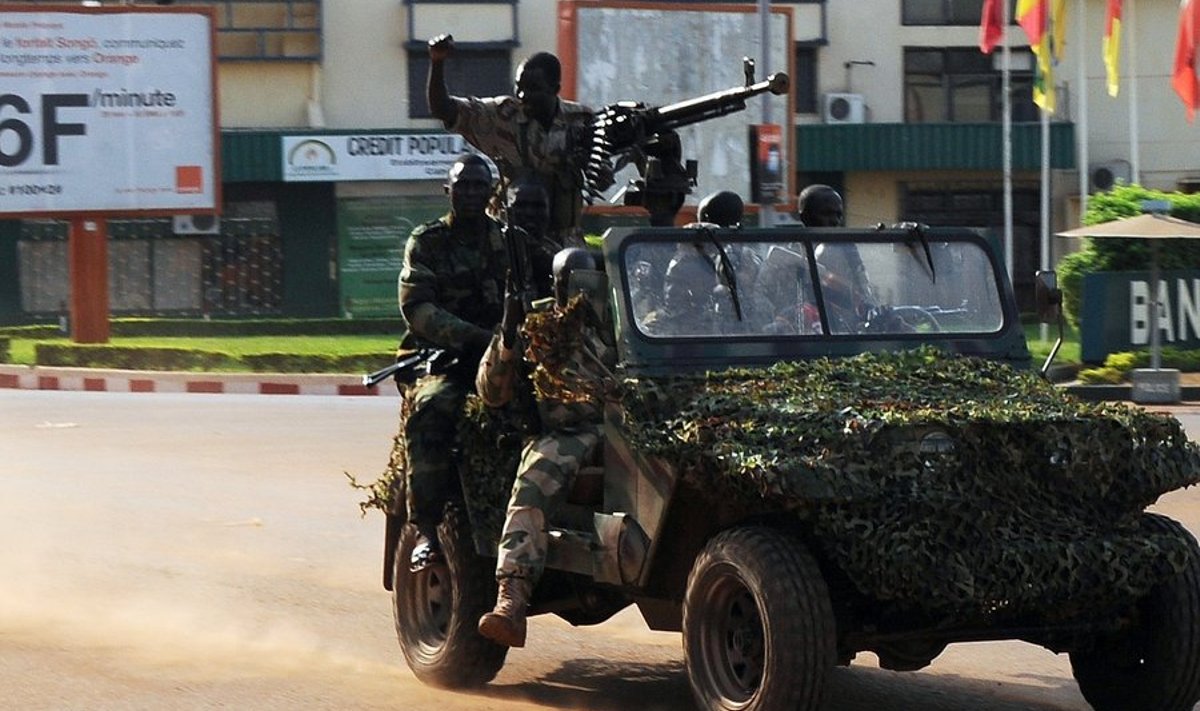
[441, 47]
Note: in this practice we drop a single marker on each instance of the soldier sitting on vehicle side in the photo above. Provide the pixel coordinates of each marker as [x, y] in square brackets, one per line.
[571, 409]
[450, 297]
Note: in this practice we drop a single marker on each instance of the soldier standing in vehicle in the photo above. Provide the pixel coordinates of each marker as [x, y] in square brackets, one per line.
[533, 132]
[450, 297]
[571, 410]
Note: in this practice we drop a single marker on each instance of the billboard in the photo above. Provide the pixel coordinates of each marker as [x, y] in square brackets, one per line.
[107, 110]
[662, 53]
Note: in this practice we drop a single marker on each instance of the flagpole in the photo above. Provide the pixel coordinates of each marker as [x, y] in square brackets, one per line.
[1134, 149]
[1044, 193]
[1006, 139]
[1081, 122]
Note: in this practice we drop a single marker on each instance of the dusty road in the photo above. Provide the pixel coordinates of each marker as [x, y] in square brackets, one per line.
[197, 552]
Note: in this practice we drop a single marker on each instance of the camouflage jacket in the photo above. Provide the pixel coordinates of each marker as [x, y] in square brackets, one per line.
[570, 357]
[451, 286]
[500, 128]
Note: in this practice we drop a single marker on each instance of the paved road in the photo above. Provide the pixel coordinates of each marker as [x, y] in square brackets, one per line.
[197, 552]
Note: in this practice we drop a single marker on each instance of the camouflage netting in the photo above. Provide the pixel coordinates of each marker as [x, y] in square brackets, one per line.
[491, 448]
[1030, 501]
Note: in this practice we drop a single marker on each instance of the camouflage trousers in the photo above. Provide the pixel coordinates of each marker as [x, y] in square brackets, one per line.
[548, 465]
[430, 435]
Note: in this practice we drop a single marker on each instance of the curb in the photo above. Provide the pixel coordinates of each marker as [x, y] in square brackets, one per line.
[1123, 392]
[22, 377]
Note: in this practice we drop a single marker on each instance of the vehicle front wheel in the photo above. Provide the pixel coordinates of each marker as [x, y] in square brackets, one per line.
[437, 610]
[1155, 665]
[758, 626]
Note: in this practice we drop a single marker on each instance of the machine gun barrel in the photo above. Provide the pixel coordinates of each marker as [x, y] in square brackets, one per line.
[622, 126]
[710, 106]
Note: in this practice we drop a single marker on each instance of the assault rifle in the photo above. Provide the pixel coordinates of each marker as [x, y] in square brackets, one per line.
[407, 369]
[519, 277]
[629, 130]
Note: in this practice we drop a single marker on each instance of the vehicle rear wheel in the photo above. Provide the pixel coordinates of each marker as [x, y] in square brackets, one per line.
[437, 610]
[1154, 666]
[758, 626]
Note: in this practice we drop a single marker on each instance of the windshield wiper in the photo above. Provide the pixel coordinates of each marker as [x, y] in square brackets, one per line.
[917, 230]
[725, 270]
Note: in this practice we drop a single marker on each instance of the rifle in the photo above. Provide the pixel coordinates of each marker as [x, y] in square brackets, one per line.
[519, 279]
[424, 361]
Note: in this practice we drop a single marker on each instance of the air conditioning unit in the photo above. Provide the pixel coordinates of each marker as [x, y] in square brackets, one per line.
[1103, 176]
[196, 224]
[844, 108]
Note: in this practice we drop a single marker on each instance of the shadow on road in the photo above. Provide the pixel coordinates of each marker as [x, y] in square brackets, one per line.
[606, 685]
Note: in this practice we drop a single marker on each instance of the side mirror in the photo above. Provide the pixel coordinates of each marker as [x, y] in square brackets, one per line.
[1047, 296]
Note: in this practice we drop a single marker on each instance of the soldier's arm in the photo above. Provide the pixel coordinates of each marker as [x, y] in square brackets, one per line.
[425, 317]
[496, 378]
[440, 103]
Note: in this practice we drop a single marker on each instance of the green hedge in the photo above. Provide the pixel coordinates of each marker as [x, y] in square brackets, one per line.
[1117, 365]
[315, 363]
[125, 358]
[199, 328]
[4, 349]
[75, 355]
[1119, 255]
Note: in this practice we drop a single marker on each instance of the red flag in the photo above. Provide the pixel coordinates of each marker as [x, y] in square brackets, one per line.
[991, 29]
[1031, 16]
[1185, 81]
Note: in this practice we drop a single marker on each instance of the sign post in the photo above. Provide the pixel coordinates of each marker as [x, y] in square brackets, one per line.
[87, 264]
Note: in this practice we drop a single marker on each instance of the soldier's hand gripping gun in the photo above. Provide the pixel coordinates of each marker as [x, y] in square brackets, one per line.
[409, 367]
[629, 130]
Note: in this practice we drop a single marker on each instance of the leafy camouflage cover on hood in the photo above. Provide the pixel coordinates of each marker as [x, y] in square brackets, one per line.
[1022, 498]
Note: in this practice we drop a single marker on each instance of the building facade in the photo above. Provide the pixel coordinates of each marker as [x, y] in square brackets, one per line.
[903, 116]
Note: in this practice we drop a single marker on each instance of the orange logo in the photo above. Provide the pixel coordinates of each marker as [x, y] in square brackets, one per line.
[189, 179]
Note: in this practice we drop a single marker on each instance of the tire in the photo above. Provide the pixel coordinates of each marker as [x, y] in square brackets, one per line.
[1154, 666]
[437, 610]
[759, 630]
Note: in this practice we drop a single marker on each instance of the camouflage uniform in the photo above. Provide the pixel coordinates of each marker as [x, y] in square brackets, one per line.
[450, 297]
[570, 437]
[499, 127]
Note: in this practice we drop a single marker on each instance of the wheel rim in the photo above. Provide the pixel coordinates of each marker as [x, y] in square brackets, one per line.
[733, 634]
[432, 604]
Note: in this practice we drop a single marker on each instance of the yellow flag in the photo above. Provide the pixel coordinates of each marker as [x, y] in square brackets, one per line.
[1112, 46]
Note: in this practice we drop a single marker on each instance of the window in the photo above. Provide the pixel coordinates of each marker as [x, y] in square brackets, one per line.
[960, 85]
[268, 29]
[481, 64]
[946, 12]
[470, 71]
[805, 79]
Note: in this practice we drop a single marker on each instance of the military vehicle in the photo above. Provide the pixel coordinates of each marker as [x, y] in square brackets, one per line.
[800, 470]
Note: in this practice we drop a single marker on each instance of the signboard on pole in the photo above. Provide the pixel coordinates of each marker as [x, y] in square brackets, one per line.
[767, 179]
[1116, 312]
[107, 110]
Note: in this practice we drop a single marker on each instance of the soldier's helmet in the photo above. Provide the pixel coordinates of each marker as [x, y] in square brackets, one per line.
[724, 208]
[566, 262]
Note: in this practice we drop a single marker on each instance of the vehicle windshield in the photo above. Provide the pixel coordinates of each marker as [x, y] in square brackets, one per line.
[738, 288]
